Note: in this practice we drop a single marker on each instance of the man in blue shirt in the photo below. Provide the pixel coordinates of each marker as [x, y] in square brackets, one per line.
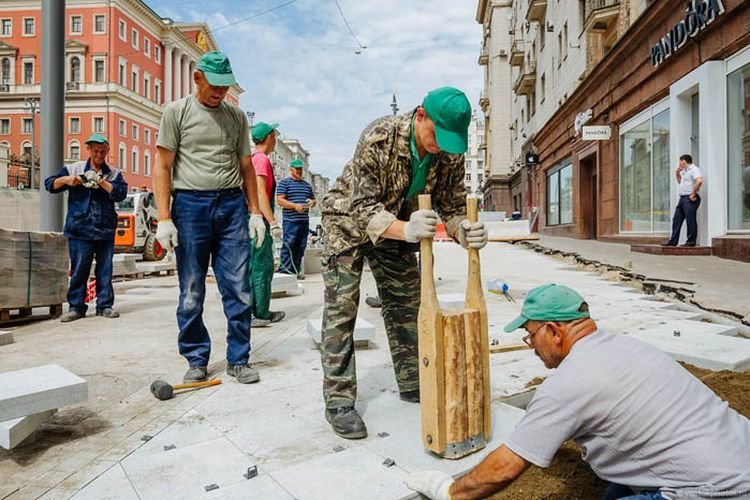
[93, 188]
[296, 197]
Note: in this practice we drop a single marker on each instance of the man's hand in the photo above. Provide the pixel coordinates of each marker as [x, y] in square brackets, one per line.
[276, 230]
[432, 484]
[91, 179]
[422, 225]
[73, 180]
[472, 235]
[693, 196]
[299, 208]
[257, 229]
[166, 234]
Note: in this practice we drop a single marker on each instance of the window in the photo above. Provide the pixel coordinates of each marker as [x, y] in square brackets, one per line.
[121, 74]
[559, 48]
[135, 160]
[28, 72]
[75, 151]
[645, 173]
[122, 127]
[157, 92]
[75, 69]
[4, 126]
[99, 24]
[146, 47]
[147, 163]
[26, 149]
[134, 38]
[135, 131]
[134, 81]
[28, 26]
[123, 30]
[121, 158]
[6, 27]
[98, 125]
[157, 53]
[543, 87]
[738, 149]
[560, 195]
[147, 136]
[5, 71]
[76, 25]
[99, 70]
[565, 40]
[147, 86]
[28, 125]
[468, 177]
[74, 125]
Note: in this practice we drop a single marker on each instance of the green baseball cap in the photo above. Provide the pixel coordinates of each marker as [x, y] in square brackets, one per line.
[450, 110]
[261, 130]
[216, 67]
[549, 302]
[98, 138]
[296, 163]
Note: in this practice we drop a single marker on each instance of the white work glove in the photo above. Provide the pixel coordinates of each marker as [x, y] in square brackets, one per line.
[422, 224]
[91, 179]
[276, 230]
[430, 483]
[472, 235]
[257, 229]
[166, 234]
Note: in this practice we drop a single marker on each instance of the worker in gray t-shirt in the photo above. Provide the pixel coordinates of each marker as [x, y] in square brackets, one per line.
[204, 164]
[643, 422]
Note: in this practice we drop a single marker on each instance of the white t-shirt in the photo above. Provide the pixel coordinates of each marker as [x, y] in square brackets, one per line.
[640, 419]
[689, 175]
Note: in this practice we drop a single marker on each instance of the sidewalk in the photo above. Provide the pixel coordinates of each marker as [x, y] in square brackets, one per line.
[125, 444]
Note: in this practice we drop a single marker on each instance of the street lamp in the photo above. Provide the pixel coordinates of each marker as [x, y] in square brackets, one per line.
[251, 116]
[32, 104]
[394, 105]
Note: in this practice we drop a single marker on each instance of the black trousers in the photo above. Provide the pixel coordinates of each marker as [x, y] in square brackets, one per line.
[686, 211]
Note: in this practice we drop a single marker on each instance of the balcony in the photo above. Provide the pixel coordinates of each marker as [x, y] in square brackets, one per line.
[484, 100]
[484, 57]
[537, 10]
[72, 86]
[526, 79]
[516, 52]
[600, 15]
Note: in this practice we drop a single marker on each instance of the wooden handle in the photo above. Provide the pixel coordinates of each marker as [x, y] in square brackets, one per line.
[195, 385]
[427, 261]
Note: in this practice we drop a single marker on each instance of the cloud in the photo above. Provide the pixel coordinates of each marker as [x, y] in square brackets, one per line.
[300, 65]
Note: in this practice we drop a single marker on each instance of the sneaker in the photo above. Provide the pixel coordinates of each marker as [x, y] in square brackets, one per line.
[410, 396]
[245, 374]
[71, 315]
[195, 374]
[258, 322]
[346, 422]
[277, 316]
[108, 313]
[374, 302]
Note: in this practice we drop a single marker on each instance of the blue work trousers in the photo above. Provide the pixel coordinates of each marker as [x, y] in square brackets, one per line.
[212, 227]
[687, 211]
[620, 492]
[82, 254]
[295, 242]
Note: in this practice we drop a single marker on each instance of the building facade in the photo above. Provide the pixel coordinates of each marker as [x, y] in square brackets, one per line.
[123, 63]
[676, 83]
[475, 156]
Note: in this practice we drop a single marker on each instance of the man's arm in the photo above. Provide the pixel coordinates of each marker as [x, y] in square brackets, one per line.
[263, 201]
[250, 183]
[678, 174]
[284, 203]
[61, 181]
[494, 473]
[117, 189]
[696, 187]
[163, 181]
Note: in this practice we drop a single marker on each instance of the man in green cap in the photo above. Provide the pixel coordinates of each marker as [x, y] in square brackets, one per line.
[295, 195]
[642, 421]
[371, 213]
[93, 189]
[261, 258]
[204, 167]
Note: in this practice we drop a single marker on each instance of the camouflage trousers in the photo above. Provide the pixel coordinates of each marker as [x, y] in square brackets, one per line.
[397, 278]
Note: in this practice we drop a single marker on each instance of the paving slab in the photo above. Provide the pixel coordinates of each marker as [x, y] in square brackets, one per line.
[111, 485]
[363, 329]
[34, 390]
[13, 432]
[6, 337]
[283, 283]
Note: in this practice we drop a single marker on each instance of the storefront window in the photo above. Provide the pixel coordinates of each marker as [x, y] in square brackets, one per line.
[560, 195]
[738, 170]
[645, 176]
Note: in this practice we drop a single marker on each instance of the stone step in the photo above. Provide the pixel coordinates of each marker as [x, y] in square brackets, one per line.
[35, 390]
[364, 331]
[14, 432]
[662, 250]
[283, 283]
[6, 337]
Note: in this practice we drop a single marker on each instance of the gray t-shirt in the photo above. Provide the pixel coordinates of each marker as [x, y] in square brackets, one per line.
[640, 419]
[208, 143]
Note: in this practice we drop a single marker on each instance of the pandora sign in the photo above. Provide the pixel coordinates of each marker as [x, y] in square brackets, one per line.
[698, 15]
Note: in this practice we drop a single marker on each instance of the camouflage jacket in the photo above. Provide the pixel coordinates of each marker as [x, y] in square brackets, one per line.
[369, 195]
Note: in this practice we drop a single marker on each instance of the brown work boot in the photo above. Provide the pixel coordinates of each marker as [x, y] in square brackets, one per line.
[195, 374]
[245, 374]
[346, 422]
[72, 315]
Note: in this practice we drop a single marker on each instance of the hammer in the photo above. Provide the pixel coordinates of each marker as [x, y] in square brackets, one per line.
[164, 390]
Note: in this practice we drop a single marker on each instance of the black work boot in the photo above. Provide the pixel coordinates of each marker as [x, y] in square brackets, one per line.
[346, 422]
[410, 396]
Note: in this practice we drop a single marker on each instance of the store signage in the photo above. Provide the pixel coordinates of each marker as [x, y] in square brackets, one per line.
[532, 158]
[582, 118]
[596, 132]
[698, 15]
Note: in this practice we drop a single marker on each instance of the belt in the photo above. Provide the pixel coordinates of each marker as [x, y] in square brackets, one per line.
[211, 193]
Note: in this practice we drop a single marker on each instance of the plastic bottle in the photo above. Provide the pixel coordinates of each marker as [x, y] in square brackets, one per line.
[497, 286]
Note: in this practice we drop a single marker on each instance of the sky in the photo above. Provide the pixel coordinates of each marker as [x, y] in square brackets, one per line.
[302, 67]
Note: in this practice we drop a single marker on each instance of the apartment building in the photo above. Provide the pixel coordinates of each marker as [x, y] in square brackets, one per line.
[123, 63]
[475, 157]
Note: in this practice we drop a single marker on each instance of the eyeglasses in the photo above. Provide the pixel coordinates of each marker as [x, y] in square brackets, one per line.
[527, 338]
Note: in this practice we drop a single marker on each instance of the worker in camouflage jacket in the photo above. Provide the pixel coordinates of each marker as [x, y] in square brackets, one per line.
[371, 213]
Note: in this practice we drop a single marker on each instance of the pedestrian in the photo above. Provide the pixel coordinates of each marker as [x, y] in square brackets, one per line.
[296, 197]
[262, 264]
[371, 213]
[93, 189]
[643, 422]
[203, 163]
[689, 182]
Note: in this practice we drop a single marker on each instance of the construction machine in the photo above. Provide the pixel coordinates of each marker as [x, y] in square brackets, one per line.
[136, 226]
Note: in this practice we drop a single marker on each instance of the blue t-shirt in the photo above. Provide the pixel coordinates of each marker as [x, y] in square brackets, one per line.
[295, 191]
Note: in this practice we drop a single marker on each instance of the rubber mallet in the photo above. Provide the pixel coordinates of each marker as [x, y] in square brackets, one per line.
[164, 390]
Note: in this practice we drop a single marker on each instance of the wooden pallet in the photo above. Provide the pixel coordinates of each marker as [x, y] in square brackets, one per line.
[14, 314]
